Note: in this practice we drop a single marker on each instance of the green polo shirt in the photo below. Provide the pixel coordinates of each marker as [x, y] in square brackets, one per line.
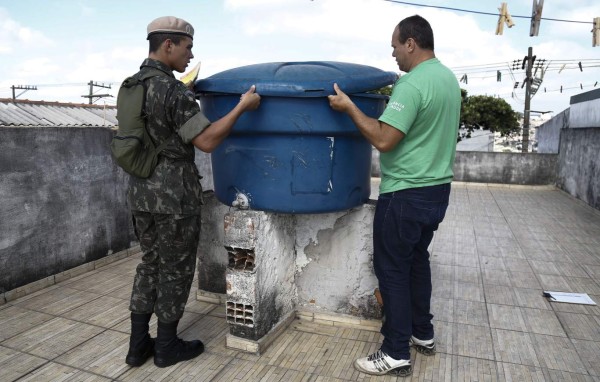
[425, 106]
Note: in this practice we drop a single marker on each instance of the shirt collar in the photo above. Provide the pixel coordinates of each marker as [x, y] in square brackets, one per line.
[155, 64]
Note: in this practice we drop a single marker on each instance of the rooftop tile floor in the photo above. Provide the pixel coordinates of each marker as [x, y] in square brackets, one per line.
[495, 253]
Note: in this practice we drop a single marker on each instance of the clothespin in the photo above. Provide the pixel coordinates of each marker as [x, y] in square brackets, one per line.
[581, 85]
[580, 67]
[464, 79]
[503, 18]
[516, 84]
[596, 32]
[536, 17]
[498, 76]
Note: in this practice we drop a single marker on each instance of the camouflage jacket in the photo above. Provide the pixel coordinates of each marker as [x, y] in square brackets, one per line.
[174, 186]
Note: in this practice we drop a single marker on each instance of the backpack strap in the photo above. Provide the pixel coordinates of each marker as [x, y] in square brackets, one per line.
[142, 77]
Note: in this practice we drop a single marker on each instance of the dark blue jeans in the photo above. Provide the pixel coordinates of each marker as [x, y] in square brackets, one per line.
[403, 228]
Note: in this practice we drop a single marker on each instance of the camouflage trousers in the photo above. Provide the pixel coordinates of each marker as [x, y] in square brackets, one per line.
[164, 277]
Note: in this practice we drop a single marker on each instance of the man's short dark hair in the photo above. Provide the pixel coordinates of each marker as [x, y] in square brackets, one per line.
[157, 39]
[418, 29]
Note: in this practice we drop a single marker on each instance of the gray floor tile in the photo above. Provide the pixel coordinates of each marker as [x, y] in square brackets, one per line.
[472, 369]
[531, 298]
[57, 372]
[492, 263]
[583, 285]
[58, 300]
[15, 320]
[442, 271]
[554, 283]
[545, 267]
[560, 376]
[442, 309]
[524, 280]
[506, 317]
[557, 353]
[517, 265]
[434, 368]
[470, 312]
[572, 270]
[444, 333]
[511, 372]
[580, 326]
[588, 353]
[442, 289]
[468, 291]
[541, 321]
[14, 364]
[466, 260]
[499, 294]
[442, 257]
[53, 337]
[496, 277]
[104, 311]
[472, 341]
[514, 347]
[467, 274]
[103, 354]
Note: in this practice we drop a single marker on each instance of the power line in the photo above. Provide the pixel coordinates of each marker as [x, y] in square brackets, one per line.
[483, 13]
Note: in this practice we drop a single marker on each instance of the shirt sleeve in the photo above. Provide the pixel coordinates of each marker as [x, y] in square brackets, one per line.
[403, 107]
[189, 121]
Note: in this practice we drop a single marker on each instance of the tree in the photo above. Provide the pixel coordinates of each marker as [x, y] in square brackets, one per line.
[386, 90]
[488, 113]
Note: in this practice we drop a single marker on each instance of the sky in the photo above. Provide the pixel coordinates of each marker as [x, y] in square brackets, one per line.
[61, 45]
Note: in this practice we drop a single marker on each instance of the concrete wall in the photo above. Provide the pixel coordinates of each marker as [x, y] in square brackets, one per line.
[585, 110]
[494, 167]
[548, 134]
[63, 202]
[506, 168]
[579, 164]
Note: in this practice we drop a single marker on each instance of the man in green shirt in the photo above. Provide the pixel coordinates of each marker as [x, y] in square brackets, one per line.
[416, 136]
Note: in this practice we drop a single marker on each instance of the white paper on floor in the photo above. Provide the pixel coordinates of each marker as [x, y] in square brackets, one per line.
[571, 298]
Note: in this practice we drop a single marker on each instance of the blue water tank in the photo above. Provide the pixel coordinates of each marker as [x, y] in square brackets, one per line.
[294, 154]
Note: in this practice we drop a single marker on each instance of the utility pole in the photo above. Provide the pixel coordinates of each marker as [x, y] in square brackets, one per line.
[528, 80]
[91, 96]
[21, 87]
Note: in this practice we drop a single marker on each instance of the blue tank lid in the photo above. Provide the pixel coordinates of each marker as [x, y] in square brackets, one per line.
[297, 79]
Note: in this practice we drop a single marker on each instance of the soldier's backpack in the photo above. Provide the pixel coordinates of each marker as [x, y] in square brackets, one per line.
[132, 147]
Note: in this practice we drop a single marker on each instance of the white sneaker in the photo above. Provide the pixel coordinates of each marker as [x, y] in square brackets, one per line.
[424, 347]
[380, 363]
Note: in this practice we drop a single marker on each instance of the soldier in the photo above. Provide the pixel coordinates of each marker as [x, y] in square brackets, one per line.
[166, 206]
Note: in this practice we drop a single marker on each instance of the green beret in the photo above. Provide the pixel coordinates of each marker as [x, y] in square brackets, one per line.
[172, 25]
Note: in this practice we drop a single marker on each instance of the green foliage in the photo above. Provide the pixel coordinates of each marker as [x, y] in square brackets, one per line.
[386, 90]
[488, 113]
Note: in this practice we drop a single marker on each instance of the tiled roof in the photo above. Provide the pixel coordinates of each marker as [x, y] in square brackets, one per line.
[55, 114]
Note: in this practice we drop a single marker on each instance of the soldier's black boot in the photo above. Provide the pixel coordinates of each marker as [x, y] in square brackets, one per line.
[170, 349]
[141, 345]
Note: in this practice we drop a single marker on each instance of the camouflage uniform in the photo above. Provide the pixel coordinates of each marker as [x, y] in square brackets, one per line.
[166, 206]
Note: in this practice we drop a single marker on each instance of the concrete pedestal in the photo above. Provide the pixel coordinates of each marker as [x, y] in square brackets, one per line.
[260, 289]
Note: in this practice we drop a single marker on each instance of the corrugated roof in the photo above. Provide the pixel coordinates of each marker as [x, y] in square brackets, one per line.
[55, 114]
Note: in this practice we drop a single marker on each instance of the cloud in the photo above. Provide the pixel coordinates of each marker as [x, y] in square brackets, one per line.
[14, 35]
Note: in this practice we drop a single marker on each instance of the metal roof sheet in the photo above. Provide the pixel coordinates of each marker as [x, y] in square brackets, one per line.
[54, 114]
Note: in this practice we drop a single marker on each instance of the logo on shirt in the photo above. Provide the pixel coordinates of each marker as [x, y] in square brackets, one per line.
[396, 105]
